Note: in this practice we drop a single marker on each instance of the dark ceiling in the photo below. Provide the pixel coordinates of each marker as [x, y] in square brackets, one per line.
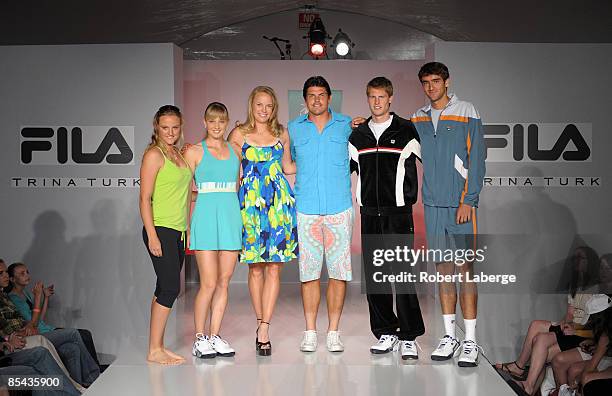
[139, 21]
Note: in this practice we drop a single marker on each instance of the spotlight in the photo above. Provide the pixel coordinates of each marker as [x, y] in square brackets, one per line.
[317, 37]
[342, 43]
[317, 49]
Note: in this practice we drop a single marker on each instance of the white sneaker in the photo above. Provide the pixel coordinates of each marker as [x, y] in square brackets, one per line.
[446, 348]
[469, 354]
[386, 343]
[202, 347]
[334, 343]
[565, 390]
[221, 346]
[408, 350]
[309, 341]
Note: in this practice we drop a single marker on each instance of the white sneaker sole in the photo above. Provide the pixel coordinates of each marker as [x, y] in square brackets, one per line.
[307, 349]
[440, 358]
[410, 357]
[226, 354]
[467, 364]
[392, 348]
[201, 355]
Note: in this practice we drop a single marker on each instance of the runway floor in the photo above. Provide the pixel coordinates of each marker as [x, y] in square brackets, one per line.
[288, 371]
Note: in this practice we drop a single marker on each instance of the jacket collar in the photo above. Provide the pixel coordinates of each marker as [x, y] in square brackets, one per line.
[452, 100]
[365, 126]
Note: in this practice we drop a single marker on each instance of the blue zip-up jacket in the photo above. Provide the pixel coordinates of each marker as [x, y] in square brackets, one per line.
[453, 156]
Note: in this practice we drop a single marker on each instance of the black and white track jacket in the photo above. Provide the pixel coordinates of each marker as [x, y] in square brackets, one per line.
[387, 176]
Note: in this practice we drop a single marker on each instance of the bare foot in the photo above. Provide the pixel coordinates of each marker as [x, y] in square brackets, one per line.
[174, 355]
[161, 357]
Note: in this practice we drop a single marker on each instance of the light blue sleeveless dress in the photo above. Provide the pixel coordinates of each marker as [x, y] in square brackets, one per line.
[216, 223]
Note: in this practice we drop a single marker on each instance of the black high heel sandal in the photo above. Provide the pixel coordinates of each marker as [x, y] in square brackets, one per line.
[262, 348]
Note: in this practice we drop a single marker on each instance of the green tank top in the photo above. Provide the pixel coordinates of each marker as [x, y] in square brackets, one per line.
[170, 196]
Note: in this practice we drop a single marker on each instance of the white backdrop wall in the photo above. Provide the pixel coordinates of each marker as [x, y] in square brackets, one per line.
[86, 241]
[537, 83]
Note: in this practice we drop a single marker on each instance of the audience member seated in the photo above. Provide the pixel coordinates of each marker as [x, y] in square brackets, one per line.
[593, 355]
[67, 342]
[34, 361]
[545, 339]
[33, 305]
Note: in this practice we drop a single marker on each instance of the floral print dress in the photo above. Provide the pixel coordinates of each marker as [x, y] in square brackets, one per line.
[267, 206]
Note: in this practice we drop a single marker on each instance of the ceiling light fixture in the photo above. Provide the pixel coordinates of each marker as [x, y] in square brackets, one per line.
[343, 44]
[317, 39]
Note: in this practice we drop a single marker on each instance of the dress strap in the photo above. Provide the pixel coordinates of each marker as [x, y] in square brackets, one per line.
[231, 150]
[204, 149]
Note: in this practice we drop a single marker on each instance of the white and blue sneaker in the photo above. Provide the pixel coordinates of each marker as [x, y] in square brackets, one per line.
[469, 354]
[408, 350]
[446, 348]
[202, 347]
[221, 346]
[386, 343]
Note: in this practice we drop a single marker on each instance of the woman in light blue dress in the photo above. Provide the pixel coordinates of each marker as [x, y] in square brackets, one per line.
[216, 229]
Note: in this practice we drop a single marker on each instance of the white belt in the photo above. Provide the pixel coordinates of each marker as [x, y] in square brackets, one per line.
[208, 187]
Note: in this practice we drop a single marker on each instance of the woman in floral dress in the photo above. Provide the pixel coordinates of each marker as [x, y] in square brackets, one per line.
[267, 203]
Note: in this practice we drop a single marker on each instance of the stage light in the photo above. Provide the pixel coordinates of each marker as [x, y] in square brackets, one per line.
[317, 39]
[342, 43]
[342, 49]
[317, 49]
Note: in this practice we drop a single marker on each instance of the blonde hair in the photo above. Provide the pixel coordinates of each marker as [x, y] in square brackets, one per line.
[166, 110]
[216, 109]
[249, 125]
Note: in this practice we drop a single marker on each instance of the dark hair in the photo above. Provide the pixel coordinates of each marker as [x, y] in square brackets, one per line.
[601, 323]
[605, 288]
[316, 81]
[434, 68]
[11, 272]
[582, 280]
[380, 83]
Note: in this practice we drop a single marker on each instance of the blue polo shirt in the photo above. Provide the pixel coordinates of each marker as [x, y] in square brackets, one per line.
[323, 180]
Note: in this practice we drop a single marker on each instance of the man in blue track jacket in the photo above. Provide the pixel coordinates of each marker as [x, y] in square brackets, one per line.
[453, 155]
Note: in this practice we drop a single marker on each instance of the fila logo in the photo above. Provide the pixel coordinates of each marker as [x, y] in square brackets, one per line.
[77, 145]
[541, 142]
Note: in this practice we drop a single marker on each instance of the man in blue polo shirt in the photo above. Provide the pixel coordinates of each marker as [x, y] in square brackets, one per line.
[319, 146]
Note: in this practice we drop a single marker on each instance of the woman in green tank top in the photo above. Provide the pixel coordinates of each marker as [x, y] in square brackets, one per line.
[165, 191]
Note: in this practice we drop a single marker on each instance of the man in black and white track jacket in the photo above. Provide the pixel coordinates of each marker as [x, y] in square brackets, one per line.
[383, 152]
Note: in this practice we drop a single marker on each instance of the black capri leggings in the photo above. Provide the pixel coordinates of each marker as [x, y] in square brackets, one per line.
[167, 267]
